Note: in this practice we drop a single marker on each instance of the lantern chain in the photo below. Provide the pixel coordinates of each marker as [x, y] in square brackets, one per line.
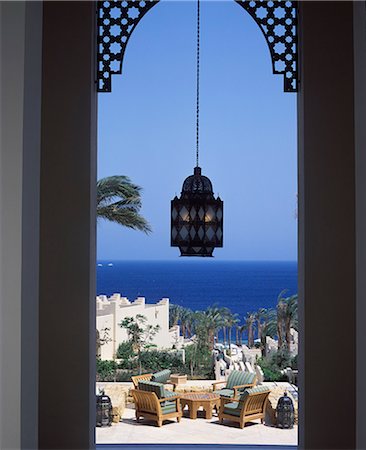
[198, 85]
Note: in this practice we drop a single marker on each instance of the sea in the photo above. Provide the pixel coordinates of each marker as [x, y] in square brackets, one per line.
[242, 286]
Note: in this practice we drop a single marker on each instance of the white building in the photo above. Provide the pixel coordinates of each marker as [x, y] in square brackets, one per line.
[111, 311]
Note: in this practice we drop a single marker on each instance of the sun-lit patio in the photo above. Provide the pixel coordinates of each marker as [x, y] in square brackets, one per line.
[200, 430]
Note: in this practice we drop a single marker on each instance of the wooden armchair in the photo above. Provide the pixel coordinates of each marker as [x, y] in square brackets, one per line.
[160, 377]
[251, 405]
[143, 377]
[236, 382]
[149, 406]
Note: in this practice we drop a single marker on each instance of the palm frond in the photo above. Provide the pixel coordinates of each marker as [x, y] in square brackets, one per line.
[127, 217]
[118, 186]
[119, 201]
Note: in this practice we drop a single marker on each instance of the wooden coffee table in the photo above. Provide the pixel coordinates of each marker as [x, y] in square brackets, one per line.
[195, 400]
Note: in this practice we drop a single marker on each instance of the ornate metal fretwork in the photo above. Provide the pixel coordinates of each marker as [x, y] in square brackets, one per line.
[277, 19]
[116, 22]
[278, 22]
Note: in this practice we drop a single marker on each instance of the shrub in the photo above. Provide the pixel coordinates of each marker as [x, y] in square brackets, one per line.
[106, 370]
[272, 366]
[125, 350]
[282, 358]
[294, 362]
[198, 362]
[155, 360]
[271, 374]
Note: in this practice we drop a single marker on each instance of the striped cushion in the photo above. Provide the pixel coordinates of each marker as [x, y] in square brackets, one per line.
[225, 392]
[152, 386]
[168, 394]
[238, 378]
[169, 407]
[255, 390]
[233, 409]
[162, 376]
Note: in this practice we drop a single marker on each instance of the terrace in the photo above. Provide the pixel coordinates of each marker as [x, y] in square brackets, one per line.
[199, 431]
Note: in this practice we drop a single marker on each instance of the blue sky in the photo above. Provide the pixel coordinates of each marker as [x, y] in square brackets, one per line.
[248, 132]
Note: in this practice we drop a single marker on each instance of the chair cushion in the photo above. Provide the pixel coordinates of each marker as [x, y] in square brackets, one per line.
[238, 378]
[168, 394]
[225, 392]
[169, 407]
[255, 390]
[233, 409]
[152, 386]
[260, 388]
[162, 376]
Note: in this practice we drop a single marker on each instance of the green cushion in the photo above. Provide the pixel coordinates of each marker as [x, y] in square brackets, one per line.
[162, 376]
[169, 407]
[233, 409]
[257, 389]
[152, 386]
[260, 388]
[168, 394]
[238, 378]
[225, 392]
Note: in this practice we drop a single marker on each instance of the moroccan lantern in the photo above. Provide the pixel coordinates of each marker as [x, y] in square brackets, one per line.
[197, 216]
[285, 412]
[104, 411]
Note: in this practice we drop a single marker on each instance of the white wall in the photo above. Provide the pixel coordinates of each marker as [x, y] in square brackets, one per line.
[111, 312]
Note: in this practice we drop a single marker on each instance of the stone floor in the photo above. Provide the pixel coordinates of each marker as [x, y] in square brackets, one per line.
[200, 431]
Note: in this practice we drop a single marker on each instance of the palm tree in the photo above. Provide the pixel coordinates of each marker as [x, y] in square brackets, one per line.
[224, 313]
[286, 319]
[185, 321]
[209, 321]
[119, 200]
[281, 313]
[189, 322]
[250, 321]
[242, 328]
[266, 326]
[237, 333]
[231, 321]
[175, 312]
[290, 317]
[260, 316]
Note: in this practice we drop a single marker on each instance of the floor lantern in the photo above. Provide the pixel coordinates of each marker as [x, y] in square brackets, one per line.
[285, 412]
[104, 411]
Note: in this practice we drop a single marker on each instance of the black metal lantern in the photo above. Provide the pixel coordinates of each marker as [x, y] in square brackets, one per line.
[197, 217]
[285, 412]
[104, 411]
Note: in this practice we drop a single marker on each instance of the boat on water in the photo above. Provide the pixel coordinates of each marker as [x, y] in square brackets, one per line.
[100, 265]
[110, 264]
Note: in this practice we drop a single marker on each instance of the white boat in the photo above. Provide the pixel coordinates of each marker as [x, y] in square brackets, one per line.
[110, 264]
[100, 265]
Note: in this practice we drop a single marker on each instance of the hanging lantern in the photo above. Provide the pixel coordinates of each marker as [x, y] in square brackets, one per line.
[285, 412]
[197, 217]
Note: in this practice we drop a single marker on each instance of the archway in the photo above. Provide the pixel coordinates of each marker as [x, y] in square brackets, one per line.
[127, 102]
[276, 19]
